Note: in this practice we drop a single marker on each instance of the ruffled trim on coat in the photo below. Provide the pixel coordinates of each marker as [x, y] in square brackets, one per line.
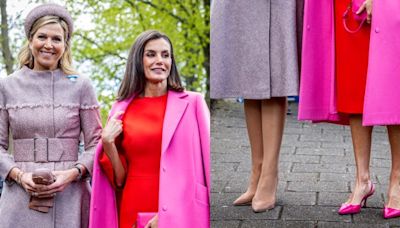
[87, 107]
[33, 106]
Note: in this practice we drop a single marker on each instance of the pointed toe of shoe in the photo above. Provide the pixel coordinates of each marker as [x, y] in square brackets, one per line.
[347, 209]
[243, 201]
[390, 213]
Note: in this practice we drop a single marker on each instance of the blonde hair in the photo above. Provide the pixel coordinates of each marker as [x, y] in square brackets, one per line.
[65, 63]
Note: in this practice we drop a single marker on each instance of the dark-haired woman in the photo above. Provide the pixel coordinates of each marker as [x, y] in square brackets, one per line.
[155, 146]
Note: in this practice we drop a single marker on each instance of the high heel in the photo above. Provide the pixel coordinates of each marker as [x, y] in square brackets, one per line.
[348, 208]
[390, 213]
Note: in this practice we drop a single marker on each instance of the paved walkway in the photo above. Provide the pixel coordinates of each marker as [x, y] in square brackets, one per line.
[316, 172]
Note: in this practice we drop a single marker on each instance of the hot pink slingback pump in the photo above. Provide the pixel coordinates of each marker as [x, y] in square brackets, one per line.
[348, 208]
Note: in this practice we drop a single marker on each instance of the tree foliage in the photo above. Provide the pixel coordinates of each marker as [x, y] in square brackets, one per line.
[102, 47]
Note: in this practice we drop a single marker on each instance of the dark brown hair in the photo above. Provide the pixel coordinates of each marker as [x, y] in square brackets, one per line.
[134, 80]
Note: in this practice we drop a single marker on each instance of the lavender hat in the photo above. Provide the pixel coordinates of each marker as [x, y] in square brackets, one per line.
[47, 10]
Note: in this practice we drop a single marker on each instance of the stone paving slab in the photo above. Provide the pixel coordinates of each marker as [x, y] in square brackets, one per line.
[277, 223]
[243, 212]
[316, 174]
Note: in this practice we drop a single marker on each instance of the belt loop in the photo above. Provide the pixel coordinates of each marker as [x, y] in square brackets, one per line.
[36, 142]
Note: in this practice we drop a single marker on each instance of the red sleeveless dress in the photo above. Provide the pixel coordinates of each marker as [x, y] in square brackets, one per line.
[351, 61]
[141, 147]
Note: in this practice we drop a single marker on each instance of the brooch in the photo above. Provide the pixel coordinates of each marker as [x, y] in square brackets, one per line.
[72, 77]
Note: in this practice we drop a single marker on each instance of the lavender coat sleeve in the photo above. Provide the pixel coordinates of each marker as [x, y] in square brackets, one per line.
[6, 160]
[90, 124]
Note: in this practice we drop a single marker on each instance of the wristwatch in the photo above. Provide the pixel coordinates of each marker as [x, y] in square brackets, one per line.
[79, 168]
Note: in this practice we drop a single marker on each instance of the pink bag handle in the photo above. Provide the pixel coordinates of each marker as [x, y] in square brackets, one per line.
[345, 16]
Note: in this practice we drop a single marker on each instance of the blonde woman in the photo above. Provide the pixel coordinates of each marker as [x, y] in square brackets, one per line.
[46, 105]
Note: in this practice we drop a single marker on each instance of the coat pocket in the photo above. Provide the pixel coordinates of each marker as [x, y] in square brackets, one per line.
[202, 195]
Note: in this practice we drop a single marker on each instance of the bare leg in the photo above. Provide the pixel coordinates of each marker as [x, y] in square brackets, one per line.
[361, 137]
[394, 185]
[252, 109]
[273, 113]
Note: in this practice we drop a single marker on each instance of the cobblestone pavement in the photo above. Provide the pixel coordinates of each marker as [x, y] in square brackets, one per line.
[316, 173]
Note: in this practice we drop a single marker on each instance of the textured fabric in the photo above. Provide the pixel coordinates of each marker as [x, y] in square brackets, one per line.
[47, 104]
[255, 46]
[47, 10]
[317, 93]
[45, 149]
[351, 61]
[184, 196]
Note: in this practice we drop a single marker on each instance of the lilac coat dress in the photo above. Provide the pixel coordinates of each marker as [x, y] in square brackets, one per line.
[47, 112]
[184, 197]
[317, 88]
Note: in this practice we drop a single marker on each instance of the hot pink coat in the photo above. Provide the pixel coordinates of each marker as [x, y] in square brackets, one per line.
[184, 197]
[317, 87]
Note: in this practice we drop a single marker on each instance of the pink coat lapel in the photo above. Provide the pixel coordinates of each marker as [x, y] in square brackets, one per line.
[173, 114]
